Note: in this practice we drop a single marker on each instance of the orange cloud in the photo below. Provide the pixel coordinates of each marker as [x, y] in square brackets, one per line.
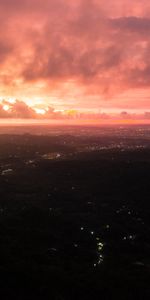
[81, 54]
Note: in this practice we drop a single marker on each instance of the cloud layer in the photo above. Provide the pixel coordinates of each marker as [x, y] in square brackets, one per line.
[69, 52]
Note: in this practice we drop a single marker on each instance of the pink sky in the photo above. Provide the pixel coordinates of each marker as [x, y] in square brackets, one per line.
[66, 57]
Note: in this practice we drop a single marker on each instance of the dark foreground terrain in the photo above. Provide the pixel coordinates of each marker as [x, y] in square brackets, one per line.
[75, 214]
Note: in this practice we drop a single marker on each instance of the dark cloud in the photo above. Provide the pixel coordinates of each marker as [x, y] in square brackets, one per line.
[6, 48]
[21, 110]
[90, 48]
[132, 24]
[147, 115]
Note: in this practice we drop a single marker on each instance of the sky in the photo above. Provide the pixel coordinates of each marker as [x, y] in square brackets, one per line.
[71, 59]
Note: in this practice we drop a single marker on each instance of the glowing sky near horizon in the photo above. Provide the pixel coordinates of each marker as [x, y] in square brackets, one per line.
[84, 55]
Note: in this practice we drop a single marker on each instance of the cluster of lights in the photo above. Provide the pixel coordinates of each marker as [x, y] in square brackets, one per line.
[100, 246]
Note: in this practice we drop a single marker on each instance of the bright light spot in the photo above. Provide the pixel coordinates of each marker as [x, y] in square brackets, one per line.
[5, 172]
[107, 226]
[100, 259]
[129, 237]
[11, 100]
[51, 155]
[100, 246]
[40, 111]
[6, 107]
[71, 112]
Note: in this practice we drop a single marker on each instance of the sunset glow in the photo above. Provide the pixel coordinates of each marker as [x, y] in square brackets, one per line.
[80, 59]
[40, 111]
